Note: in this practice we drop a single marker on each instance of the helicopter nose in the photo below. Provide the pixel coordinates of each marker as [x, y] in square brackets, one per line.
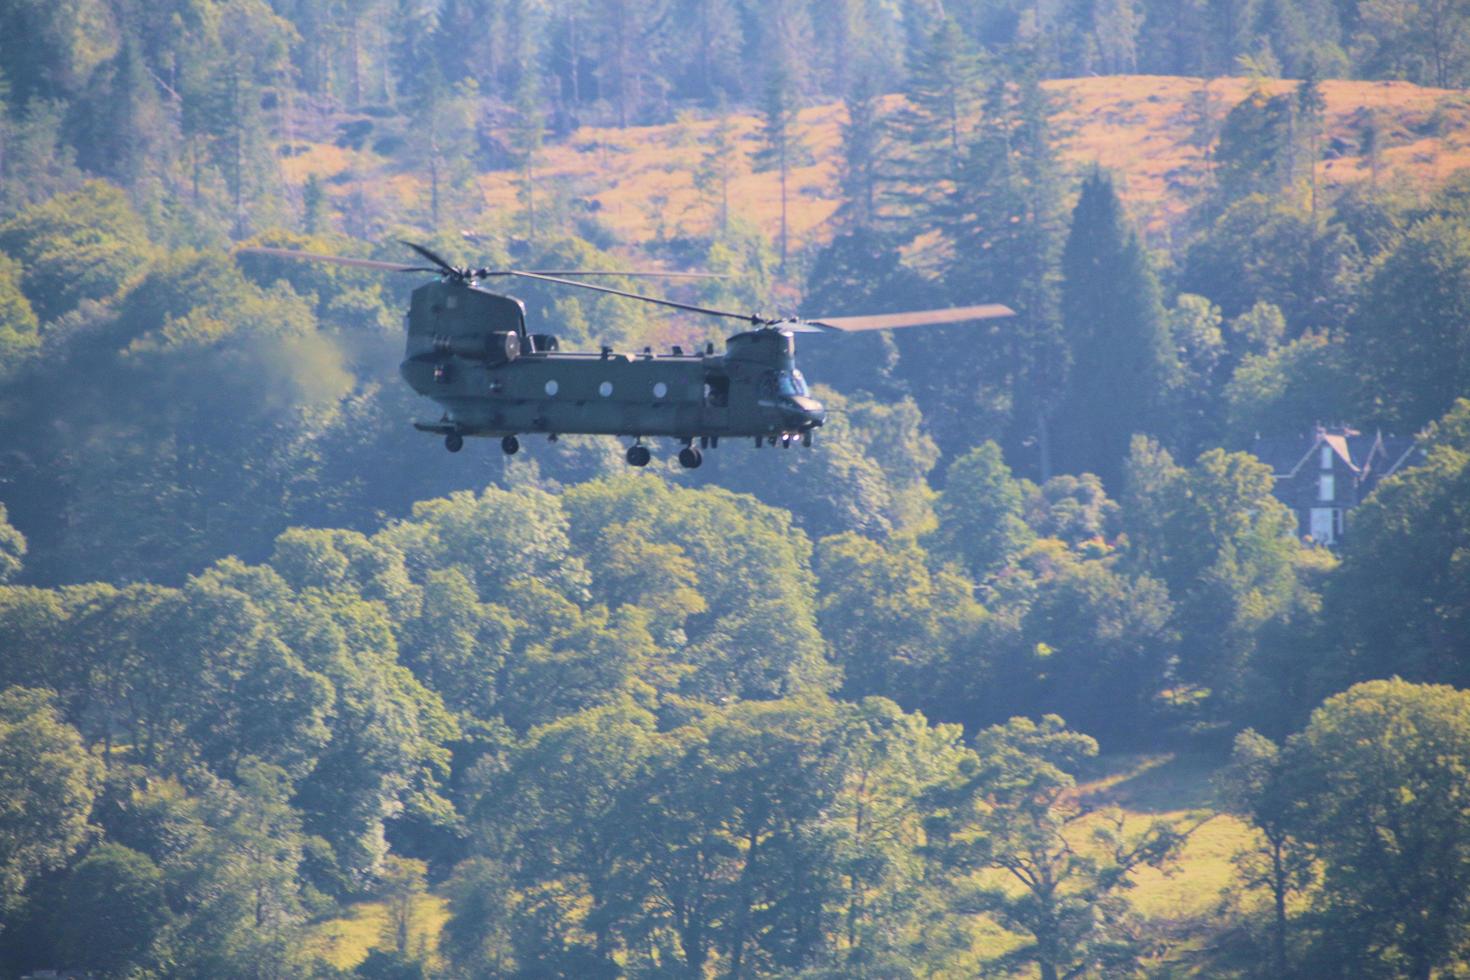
[809, 413]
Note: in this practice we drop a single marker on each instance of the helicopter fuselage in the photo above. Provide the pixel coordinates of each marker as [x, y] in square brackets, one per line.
[469, 351]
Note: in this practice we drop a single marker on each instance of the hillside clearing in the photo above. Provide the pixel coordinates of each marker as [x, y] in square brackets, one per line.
[1148, 129]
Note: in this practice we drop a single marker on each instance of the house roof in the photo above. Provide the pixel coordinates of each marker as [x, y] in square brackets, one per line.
[1339, 445]
[1412, 452]
[1361, 454]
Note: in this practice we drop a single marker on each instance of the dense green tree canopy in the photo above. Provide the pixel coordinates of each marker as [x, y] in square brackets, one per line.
[18, 323]
[1410, 345]
[12, 548]
[980, 513]
[47, 784]
[1378, 784]
[74, 247]
[112, 909]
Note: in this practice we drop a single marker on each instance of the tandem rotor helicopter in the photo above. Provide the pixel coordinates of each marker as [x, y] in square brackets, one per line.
[469, 350]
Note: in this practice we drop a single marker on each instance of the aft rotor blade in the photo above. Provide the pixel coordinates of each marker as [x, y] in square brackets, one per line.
[542, 277]
[286, 253]
[917, 318]
[443, 265]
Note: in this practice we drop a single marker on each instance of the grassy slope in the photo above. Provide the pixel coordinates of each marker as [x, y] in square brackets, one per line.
[1182, 903]
[1141, 127]
[345, 941]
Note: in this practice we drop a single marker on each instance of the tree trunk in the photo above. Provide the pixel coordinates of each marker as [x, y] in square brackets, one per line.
[1043, 442]
[530, 201]
[1278, 890]
[356, 42]
[783, 203]
[620, 64]
[742, 914]
[434, 182]
[574, 54]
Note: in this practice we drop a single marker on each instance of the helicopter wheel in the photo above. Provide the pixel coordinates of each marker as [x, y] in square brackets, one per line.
[806, 439]
[510, 445]
[785, 440]
[638, 456]
[690, 458]
[454, 442]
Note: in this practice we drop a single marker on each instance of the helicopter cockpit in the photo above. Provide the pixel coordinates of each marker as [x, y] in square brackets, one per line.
[791, 384]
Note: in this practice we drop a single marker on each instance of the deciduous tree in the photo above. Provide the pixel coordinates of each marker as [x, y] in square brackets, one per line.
[47, 785]
[1014, 809]
[1377, 787]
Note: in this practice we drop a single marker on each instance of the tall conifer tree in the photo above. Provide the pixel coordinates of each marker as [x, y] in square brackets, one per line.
[932, 129]
[1003, 224]
[863, 148]
[778, 131]
[1117, 331]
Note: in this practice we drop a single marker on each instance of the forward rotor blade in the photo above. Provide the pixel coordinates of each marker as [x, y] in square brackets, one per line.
[641, 273]
[445, 266]
[747, 317]
[917, 318]
[286, 253]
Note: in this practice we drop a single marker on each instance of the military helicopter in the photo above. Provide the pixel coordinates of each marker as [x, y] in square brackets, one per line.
[470, 351]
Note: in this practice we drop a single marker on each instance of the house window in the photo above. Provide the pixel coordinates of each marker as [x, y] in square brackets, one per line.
[1325, 487]
[1322, 525]
[1337, 522]
[1327, 457]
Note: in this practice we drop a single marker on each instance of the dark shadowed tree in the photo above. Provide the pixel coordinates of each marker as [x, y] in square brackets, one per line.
[1256, 785]
[112, 909]
[1410, 342]
[1122, 362]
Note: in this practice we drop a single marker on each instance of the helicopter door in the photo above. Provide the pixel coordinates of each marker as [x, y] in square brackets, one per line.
[716, 413]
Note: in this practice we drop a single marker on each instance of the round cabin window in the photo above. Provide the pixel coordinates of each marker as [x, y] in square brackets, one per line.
[660, 389]
[551, 387]
[605, 389]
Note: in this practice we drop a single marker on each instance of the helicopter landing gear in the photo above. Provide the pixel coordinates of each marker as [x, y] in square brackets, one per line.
[510, 445]
[638, 455]
[806, 439]
[690, 458]
[454, 442]
[785, 440]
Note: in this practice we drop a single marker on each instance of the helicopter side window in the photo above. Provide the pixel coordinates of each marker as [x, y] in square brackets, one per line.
[792, 383]
[716, 391]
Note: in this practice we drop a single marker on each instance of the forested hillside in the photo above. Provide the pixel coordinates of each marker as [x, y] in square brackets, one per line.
[960, 690]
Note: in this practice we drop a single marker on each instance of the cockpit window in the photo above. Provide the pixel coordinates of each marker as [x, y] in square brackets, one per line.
[792, 383]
